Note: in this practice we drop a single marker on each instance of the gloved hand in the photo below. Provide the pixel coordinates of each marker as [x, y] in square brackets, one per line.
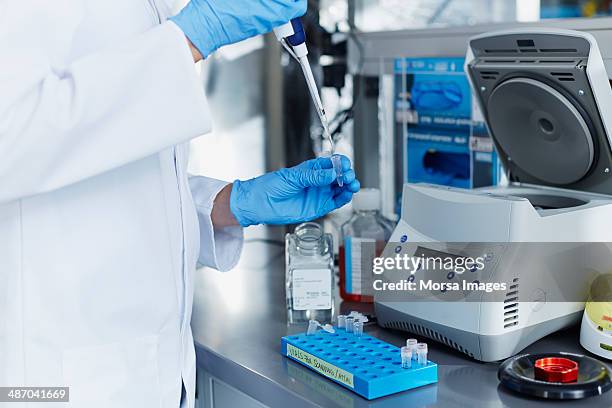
[211, 24]
[290, 196]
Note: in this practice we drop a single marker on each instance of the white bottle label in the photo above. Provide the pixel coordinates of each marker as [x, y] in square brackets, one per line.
[312, 289]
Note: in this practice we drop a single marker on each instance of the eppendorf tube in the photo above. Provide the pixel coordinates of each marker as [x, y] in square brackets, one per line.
[328, 328]
[342, 322]
[349, 324]
[337, 162]
[421, 350]
[313, 325]
[357, 329]
[406, 354]
[412, 345]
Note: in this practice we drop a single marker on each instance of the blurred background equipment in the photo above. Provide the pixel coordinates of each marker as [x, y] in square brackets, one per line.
[438, 128]
[596, 328]
[575, 8]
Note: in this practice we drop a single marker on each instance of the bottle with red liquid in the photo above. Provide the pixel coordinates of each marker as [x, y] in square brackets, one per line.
[364, 237]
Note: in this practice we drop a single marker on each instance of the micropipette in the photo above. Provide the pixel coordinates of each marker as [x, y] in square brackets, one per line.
[293, 39]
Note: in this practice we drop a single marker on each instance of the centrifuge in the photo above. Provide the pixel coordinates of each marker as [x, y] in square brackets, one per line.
[546, 99]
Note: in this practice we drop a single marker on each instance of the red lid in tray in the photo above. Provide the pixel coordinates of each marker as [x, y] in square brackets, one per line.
[556, 369]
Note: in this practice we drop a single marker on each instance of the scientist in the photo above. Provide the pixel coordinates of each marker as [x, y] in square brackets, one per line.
[100, 225]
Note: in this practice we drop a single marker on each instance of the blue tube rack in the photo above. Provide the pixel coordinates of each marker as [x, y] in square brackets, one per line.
[365, 365]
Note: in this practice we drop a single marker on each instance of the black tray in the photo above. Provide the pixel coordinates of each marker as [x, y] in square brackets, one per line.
[517, 374]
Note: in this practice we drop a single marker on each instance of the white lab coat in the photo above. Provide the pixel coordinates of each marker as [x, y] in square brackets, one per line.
[99, 234]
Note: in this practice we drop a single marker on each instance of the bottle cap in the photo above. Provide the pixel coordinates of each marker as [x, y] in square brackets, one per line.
[367, 199]
[556, 369]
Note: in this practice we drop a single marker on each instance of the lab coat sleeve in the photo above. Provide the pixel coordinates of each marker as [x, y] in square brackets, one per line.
[219, 248]
[60, 125]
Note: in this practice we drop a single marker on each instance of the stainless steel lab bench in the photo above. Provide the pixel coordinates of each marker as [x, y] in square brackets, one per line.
[240, 316]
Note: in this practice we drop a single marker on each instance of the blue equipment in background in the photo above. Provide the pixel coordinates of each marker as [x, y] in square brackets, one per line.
[441, 135]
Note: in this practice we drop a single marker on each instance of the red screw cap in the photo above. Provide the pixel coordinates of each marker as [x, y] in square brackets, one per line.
[556, 369]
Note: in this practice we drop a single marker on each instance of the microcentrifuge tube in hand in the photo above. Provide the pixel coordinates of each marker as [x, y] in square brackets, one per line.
[406, 354]
[337, 162]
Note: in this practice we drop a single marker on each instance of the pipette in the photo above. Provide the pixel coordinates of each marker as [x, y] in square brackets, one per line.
[293, 39]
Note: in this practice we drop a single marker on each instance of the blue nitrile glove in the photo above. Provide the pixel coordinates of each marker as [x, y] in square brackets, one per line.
[290, 196]
[211, 24]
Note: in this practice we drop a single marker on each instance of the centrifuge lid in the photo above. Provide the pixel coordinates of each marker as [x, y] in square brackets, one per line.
[541, 131]
[537, 91]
